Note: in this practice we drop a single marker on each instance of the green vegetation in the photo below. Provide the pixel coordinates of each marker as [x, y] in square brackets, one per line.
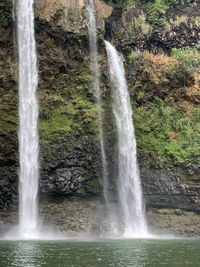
[167, 128]
[141, 25]
[6, 12]
[156, 12]
[195, 21]
[67, 106]
[187, 64]
[119, 2]
[166, 2]
[165, 131]
[50, 42]
[8, 120]
[133, 57]
[156, 9]
[144, 2]
[189, 58]
[92, 186]
[74, 116]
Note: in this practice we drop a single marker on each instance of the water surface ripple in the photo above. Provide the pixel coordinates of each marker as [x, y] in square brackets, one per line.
[101, 253]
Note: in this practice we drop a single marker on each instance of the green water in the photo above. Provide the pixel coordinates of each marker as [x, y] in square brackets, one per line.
[102, 253]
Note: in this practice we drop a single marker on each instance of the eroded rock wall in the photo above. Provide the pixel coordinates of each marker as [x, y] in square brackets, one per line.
[69, 147]
[129, 29]
[158, 87]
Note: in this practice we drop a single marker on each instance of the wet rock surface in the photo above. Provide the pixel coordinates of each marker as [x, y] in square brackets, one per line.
[68, 216]
[173, 222]
[75, 171]
[8, 109]
[169, 187]
[76, 216]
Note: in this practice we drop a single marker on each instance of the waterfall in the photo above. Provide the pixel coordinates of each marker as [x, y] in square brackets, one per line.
[77, 3]
[95, 73]
[28, 116]
[131, 210]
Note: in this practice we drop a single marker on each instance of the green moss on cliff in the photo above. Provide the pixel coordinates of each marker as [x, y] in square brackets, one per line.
[6, 11]
[165, 94]
[90, 186]
[154, 9]
[166, 131]
[8, 120]
[188, 57]
[75, 116]
[93, 186]
[67, 104]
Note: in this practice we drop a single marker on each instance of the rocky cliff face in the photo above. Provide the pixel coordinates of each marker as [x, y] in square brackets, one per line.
[68, 131]
[8, 107]
[70, 161]
[158, 83]
[129, 29]
[165, 96]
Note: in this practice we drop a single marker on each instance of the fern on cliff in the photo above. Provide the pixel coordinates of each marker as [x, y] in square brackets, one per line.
[168, 132]
[156, 12]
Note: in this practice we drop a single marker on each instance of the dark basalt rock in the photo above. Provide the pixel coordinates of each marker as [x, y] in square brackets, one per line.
[170, 187]
[155, 39]
[71, 172]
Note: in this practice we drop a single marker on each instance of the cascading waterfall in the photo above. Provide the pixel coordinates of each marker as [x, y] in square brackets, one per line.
[28, 117]
[132, 217]
[95, 73]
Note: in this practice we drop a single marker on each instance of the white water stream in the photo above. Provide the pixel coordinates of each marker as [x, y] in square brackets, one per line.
[95, 74]
[28, 117]
[131, 216]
